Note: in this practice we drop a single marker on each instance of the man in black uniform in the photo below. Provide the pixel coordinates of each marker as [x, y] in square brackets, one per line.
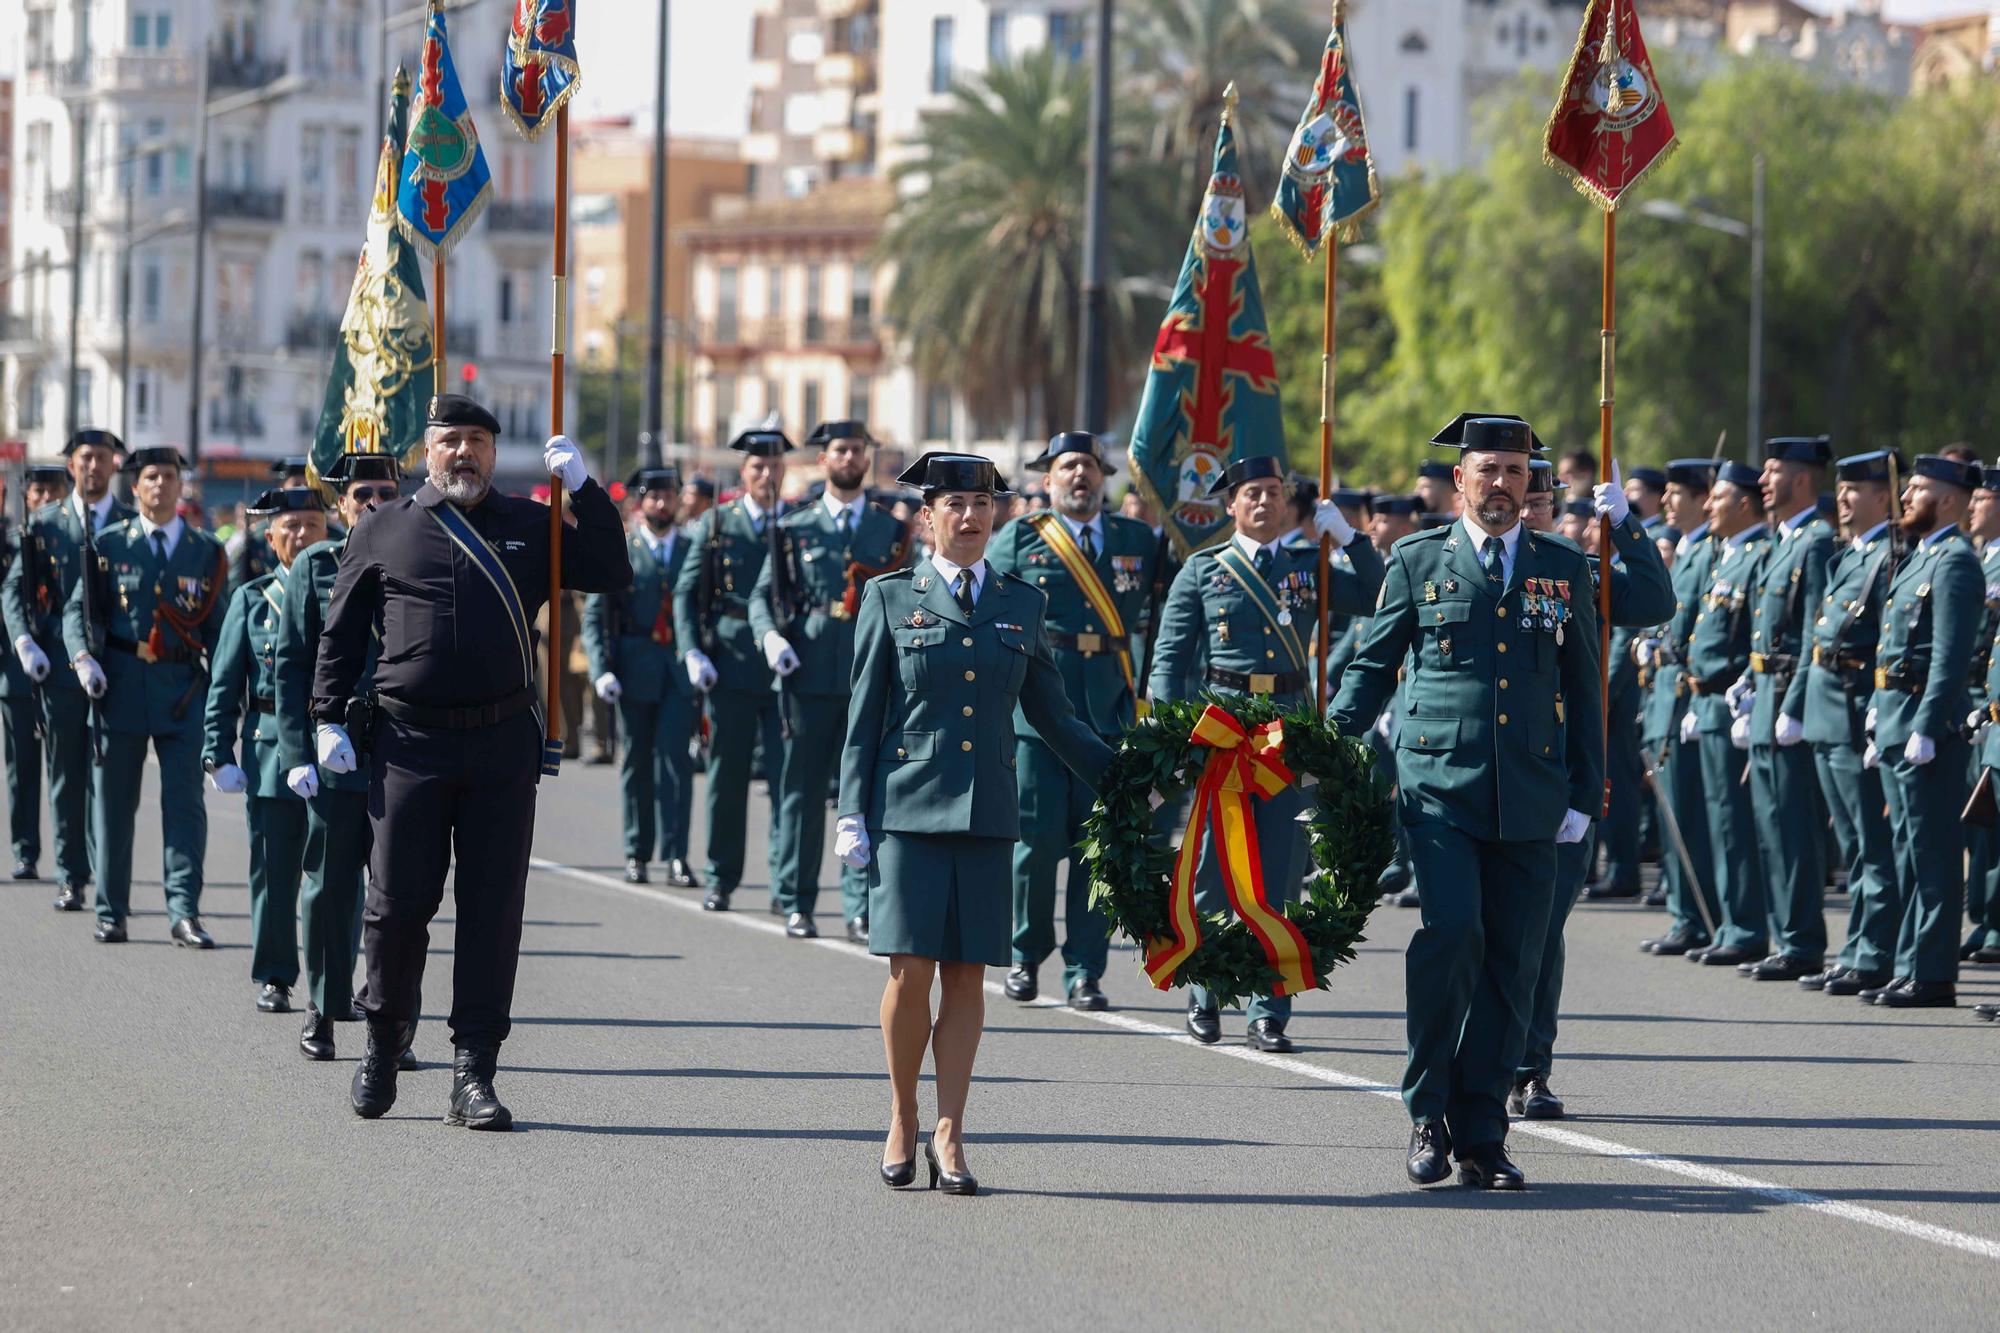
[454, 575]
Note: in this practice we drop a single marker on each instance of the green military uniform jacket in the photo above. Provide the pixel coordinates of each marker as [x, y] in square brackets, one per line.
[308, 590]
[1833, 686]
[726, 542]
[822, 628]
[243, 687]
[38, 584]
[1666, 698]
[1501, 731]
[1989, 626]
[1929, 624]
[1092, 675]
[930, 738]
[1642, 593]
[134, 594]
[14, 680]
[631, 634]
[1791, 585]
[1718, 652]
[1989, 693]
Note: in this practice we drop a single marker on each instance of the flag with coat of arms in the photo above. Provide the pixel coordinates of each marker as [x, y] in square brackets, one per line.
[445, 181]
[1211, 396]
[1328, 182]
[1610, 125]
[538, 71]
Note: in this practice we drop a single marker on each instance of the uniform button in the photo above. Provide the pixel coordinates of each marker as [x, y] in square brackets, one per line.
[1423, 740]
[1503, 719]
[970, 675]
[1503, 682]
[1499, 610]
[1041, 578]
[1501, 647]
[965, 745]
[1269, 653]
[966, 641]
[901, 753]
[967, 710]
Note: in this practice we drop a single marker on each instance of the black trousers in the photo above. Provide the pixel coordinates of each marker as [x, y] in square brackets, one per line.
[434, 795]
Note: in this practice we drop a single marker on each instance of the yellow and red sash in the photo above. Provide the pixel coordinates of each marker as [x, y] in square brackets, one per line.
[1240, 762]
[1055, 532]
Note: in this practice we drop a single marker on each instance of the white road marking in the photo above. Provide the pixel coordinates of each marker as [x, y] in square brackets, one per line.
[1568, 1138]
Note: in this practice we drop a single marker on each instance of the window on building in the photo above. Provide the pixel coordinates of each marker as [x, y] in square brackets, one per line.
[815, 323]
[32, 399]
[163, 30]
[312, 158]
[1411, 109]
[1066, 34]
[802, 113]
[312, 44]
[347, 172]
[774, 293]
[799, 181]
[156, 163]
[725, 406]
[861, 301]
[506, 298]
[311, 296]
[938, 413]
[151, 289]
[810, 417]
[347, 40]
[860, 395]
[142, 29]
[996, 39]
[86, 394]
[725, 303]
[804, 45]
[593, 286]
[941, 57]
[145, 391]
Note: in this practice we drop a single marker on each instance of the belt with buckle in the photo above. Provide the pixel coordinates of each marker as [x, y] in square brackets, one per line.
[263, 703]
[1885, 679]
[146, 652]
[1089, 644]
[1258, 682]
[1832, 661]
[459, 719]
[1716, 684]
[1765, 664]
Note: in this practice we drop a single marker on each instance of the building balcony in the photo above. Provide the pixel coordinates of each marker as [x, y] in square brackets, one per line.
[517, 341]
[20, 333]
[237, 333]
[852, 337]
[730, 339]
[846, 69]
[317, 332]
[516, 216]
[843, 143]
[762, 146]
[229, 72]
[246, 203]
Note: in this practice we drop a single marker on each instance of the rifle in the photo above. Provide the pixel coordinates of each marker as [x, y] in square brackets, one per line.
[784, 601]
[705, 585]
[93, 630]
[1155, 595]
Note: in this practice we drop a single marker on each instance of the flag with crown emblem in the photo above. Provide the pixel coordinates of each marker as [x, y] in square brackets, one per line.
[1610, 125]
[1328, 181]
[445, 182]
[1211, 396]
[538, 72]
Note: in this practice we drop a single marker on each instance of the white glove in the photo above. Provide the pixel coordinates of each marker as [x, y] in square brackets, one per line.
[230, 779]
[304, 781]
[562, 459]
[779, 655]
[1742, 697]
[1385, 726]
[1575, 824]
[1976, 723]
[1328, 521]
[701, 671]
[1690, 727]
[336, 752]
[1921, 749]
[1871, 756]
[1611, 502]
[1739, 733]
[1788, 730]
[33, 660]
[91, 675]
[607, 687]
[850, 841]
[1868, 722]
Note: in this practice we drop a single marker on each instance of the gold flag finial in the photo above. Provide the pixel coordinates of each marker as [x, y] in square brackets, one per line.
[400, 85]
[1229, 102]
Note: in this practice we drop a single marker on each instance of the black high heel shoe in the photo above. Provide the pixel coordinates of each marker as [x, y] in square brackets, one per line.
[898, 1174]
[951, 1183]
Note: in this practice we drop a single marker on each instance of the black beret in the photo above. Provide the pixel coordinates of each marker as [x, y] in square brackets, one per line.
[91, 435]
[1871, 466]
[954, 472]
[159, 455]
[1490, 432]
[1073, 442]
[762, 443]
[1406, 506]
[1816, 450]
[667, 478]
[1949, 470]
[1247, 470]
[1650, 477]
[455, 409]
[1698, 473]
[1739, 474]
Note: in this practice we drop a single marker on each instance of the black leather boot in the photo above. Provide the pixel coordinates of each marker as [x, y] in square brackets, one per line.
[374, 1089]
[474, 1104]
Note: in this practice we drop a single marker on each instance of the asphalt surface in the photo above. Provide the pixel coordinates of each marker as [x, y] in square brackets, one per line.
[700, 1106]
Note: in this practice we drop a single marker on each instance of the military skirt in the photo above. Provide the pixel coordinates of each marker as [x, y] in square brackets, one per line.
[945, 896]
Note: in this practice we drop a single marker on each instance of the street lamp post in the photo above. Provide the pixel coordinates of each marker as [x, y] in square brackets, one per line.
[1091, 387]
[656, 296]
[70, 416]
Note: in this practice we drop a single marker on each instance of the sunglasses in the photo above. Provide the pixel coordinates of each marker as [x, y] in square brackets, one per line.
[370, 494]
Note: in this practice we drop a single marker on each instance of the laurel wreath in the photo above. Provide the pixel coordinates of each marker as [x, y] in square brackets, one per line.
[1350, 830]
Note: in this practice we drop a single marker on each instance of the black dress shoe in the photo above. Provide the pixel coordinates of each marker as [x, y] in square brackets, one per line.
[109, 932]
[1724, 956]
[1988, 954]
[1087, 997]
[275, 998]
[1395, 877]
[316, 1037]
[635, 870]
[1430, 1153]
[678, 873]
[1675, 942]
[188, 934]
[716, 901]
[1986, 1013]
[1870, 994]
[1204, 1025]
[1818, 980]
[1745, 968]
[1604, 893]
[24, 869]
[857, 933]
[1021, 984]
[1268, 1034]
[1488, 1167]
[374, 1089]
[776, 908]
[1409, 898]
[1533, 1099]
[1851, 982]
[474, 1104]
[1921, 995]
[69, 898]
[949, 1181]
[799, 926]
[1654, 898]
[1788, 967]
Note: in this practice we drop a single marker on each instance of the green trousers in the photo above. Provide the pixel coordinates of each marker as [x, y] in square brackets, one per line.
[737, 718]
[277, 852]
[1573, 862]
[66, 745]
[1687, 894]
[1054, 803]
[1739, 870]
[1925, 802]
[1281, 844]
[20, 717]
[1620, 827]
[338, 840]
[656, 776]
[811, 762]
[1791, 839]
[1470, 974]
[1861, 827]
[183, 820]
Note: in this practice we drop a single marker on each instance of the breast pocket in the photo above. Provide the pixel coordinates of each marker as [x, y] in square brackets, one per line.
[1447, 633]
[412, 615]
[1013, 660]
[915, 648]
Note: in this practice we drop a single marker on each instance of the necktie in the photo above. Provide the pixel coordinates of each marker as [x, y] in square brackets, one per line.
[160, 546]
[962, 590]
[1263, 561]
[1492, 559]
[1089, 544]
[846, 527]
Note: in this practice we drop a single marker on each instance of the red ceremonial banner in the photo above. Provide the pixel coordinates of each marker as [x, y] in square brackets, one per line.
[1610, 126]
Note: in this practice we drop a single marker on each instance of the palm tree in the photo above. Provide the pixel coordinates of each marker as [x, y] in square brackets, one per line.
[987, 240]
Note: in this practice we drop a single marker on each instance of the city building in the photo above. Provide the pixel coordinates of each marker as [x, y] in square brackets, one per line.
[1853, 45]
[813, 94]
[1955, 51]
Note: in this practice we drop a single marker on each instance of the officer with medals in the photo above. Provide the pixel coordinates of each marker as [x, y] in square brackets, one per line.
[242, 708]
[1096, 569]
[1928, 628]
[1499, 760]
[154, 607]
[452, 577]
[802, 613]
[1836, 683]
[724, 662]
[20, 721]
[629, 638]
[1247, 606]
[37, 589]
[1687, 868]
[1717, 658]
[1982, 873]
[338, 836]
[943, 655]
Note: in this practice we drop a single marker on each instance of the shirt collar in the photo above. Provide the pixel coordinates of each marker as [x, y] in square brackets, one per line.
[950, 572]
[1754, 530]
[835, 506]
[1871, 534]
[1477, 535]
[1936, 535]
[102, 509]
[751, 507]
[1250, 547]
[1094, 525]
[172, 528]
[1800, 519]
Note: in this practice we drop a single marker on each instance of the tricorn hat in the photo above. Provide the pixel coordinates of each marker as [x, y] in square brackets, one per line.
[92, 435]
[827, 431]
[290, 500]
[1073, 442]
[158, 455]
[357, 465]
[1490, 432]
[664, 478]
[943, 471]
[762, 443]
[1247, 470]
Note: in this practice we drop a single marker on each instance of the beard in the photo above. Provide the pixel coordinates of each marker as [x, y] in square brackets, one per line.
[459, 488]
[849, 480]
[1919, 518]
[1498, 510]
[658, 523]
[1080, 501]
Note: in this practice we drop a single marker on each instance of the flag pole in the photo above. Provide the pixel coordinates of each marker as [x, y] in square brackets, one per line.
[1326, 386]
[1609, 355]
[552, 748]
[437, 323]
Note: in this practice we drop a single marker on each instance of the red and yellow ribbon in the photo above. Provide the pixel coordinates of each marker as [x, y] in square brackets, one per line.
[1240, 762]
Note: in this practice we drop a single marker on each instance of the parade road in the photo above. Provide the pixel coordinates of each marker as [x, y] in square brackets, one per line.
[700, 1106]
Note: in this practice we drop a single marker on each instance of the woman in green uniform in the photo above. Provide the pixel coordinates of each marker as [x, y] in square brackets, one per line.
[943, 653]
